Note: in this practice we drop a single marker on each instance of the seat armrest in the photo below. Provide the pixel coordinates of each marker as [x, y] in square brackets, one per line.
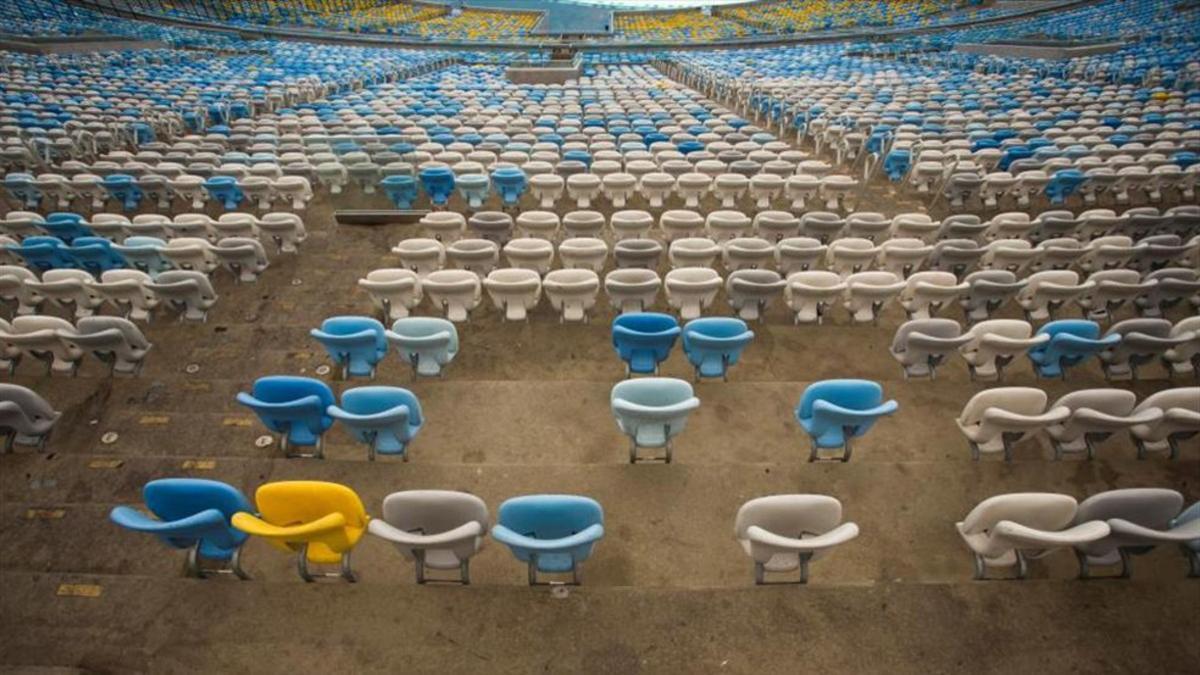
[1028, 537]
[1007, 418]
[295, 533]
[1182, 533]
[838, 535]
[464, 532]
[133, 519]
[382, 417]
[657, 411]
[886, 408]
[586, 536]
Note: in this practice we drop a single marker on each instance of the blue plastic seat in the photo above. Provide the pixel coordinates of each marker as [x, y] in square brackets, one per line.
[1072, 341]
[294, 407]
[23, 188]
[644, 339]
[402, 190]
[145, 254]
[66, 226]
[550, 533]
[428, 344]
[1063, 184]
[225, 190]
[713, 344]
[194, 514]
[124, 189]
[510, 183]
[652, 411]
[95, 254]
[896, 164]
[1191, 549]
[386, 419]
[473, 188]
[834, 412]
[578, 156]
[438, 183]
[43, 253]
[355, 343]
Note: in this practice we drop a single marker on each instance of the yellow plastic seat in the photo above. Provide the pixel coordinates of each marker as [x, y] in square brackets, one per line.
[321, 522]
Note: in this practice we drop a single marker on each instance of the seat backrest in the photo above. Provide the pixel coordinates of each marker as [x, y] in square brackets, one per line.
[550, 516]
[178, 498]
[847, 393]
[1039, 510]
[789, 515]
[433, 512]
[1149, 507]
[296, 502]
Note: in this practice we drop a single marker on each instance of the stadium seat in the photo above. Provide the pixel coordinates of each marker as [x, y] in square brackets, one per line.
[425, 343]
[355, 344]
[1007, 531]
[783, 533]
[644, 340]
[294, 408]
[435, 529]
[713, 344]
[552, 534]
[385, 419]
[835, 412]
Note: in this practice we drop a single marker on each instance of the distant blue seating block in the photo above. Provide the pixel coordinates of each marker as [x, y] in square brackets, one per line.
[124, 189]
[428, 344]
[294, 407]
[473, 188]
[550, 533]
[1063, 184]
[145, 254]
[191, 513]
[95, 254]
[66, 226]
[386, 419]
[355, 343]
[644, 339]
[23, 189]
[652, 411]
[438, 183]
[402, 190]
[713, 344]
[44, 253]
[1072, 341]
[834, 412]
[225, 190]
[897, 164]
[510, 183]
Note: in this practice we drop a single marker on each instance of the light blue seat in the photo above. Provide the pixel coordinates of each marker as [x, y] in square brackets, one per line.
[438, 183]
[1072, 341]
[652, 411]
[473, 188]
[145, 254]
[713, 344]
[510, 183]
[386, 419]
[43, 253]
[124, 188]
[293, 407]
[428, 344]
[96, 255]
[355, 343]
[834, 412]
[66, 226]
[644, 339]
[402, 190]
[1191, 549]
[553, 534]
[193, 514]
[1063, 184]
[225, 190]
[23, 188]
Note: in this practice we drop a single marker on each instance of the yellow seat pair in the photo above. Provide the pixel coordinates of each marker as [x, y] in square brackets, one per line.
[321, 522]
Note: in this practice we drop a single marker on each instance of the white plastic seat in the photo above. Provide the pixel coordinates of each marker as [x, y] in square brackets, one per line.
[39, 337]
[632, 289]
[190, 189]
[987, 292]
[393, 291]
[1057, 254]
[822, 225]
[765, 188]
[1014, 255]
[1106, 253]
[723, 226]
[680, 224]
[747, 253]
[926, 293]
[583, 188]
[921, 345]
[1143, 340]
[849, 255]
[800, 189]
[619, 188]
[444, 226]
[1111, 289]
[546, 188]
[583, 224]
[457, 292]
[867, 293]
[188, 291]
[783, 533]
[114, 340]
[126, 290]
[1180, 421]
[799, 254]
[514, 291]
[1095, 415]
[996, 419]
[1008, 530]
[540, 224]
[729, 188]
[191, 253]
[838, 192]
[656, 187]
[572, 292]
[637, 253]
[295, 190]
[242, 256]
[691, 290]
[750, 291]
[915, 225]
[583, 253]
[903, 256]
[474, 255]
[1184, 357]
[631, 224]
[810, 293]
[67, 288]
[775, 226]
[285, 229]
[693, 252]
[422, 256]
[1174, 285]
[530, 254]
[14, 286]
[1046, 291]
[995, 343]
[692, 188]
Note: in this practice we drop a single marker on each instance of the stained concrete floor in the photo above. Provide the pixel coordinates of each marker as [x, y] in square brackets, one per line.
[524, 409]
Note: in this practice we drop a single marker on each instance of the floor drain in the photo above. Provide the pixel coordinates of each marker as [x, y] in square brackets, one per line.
[263, 441]
[560, 592]
[322, 370]
[109, 437]
[191, 368]
[297, 282]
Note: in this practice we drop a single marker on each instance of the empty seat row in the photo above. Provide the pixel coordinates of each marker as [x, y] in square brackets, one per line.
[61, 345]
[285, 230]
[134, 293]
[996, 419]
[132, 192]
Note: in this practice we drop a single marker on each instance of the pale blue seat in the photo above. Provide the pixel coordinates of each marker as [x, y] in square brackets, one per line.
[293, 407]
[510, 183]
[96, 255]
[713, 344]
[553, 534]
[834, 412]
[23, 188]
[355, 343]
[386, 419]
[124, 188]
[473, 188]
[193, 514]
[1072, 341]
[402, 190]
[428, 344]
[145, 254]
[652, 411]
[66, 226]
[438, 182]
[225, 190]
[644, 339]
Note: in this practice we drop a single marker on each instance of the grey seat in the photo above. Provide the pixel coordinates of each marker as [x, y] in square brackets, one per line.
[435, 529]
[1096, 414]
[921, 345]
[25, 417]
[1142, 341]
[783, 533]
[1138, 519]
[114, 340]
